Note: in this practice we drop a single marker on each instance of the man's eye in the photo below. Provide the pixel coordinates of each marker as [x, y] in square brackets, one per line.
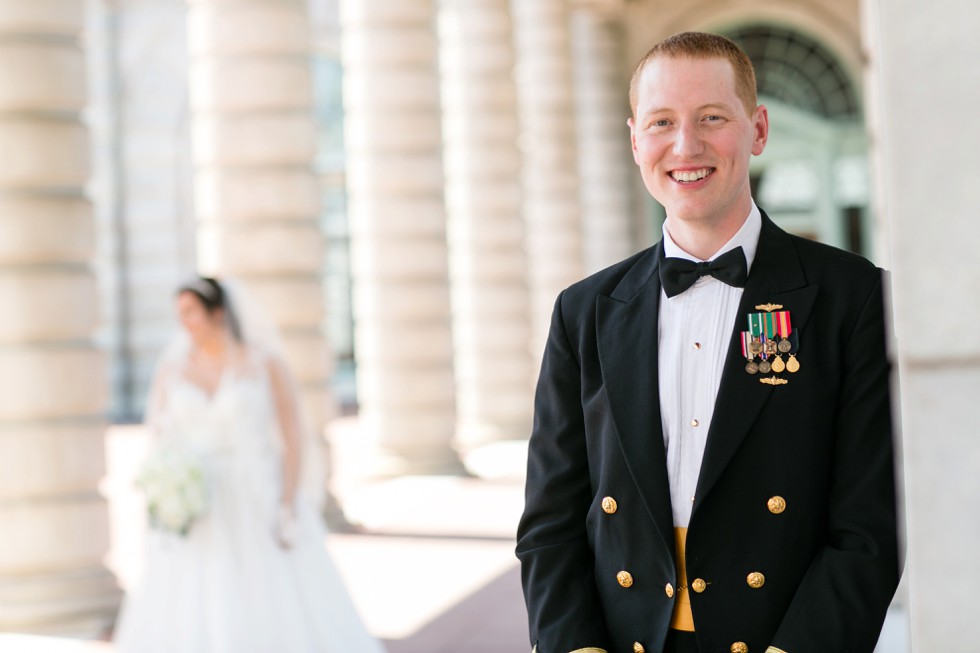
[659, 123]
[713, 118]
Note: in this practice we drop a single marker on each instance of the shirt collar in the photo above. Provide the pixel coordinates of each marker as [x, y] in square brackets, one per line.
[747, 237]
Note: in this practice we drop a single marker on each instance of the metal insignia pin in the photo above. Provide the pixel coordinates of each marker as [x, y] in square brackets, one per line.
[773, 380]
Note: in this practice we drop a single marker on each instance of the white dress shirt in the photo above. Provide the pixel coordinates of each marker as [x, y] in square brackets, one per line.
[694, 337]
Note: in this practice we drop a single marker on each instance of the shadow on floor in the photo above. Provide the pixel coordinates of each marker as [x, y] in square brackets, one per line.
[490, 620]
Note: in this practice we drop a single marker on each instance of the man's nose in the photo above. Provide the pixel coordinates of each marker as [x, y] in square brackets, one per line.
[688, 143]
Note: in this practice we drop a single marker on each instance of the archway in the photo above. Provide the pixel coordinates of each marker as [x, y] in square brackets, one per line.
[813, 177]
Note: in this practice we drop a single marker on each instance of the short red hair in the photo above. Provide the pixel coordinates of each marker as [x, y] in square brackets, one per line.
[702, 45]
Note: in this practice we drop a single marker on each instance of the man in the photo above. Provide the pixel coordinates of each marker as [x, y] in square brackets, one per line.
[711, 464]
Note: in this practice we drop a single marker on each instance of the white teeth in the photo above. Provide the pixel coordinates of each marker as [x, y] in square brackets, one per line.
[690, 176]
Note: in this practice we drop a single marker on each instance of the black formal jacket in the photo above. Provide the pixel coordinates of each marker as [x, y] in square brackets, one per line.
[822, 442]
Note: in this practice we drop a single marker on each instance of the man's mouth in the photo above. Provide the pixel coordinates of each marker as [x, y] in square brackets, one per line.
[688, 176]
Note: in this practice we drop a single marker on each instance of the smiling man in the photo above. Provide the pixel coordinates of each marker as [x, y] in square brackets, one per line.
[711, 465]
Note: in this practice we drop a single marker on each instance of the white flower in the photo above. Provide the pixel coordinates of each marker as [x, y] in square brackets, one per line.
[175, 484]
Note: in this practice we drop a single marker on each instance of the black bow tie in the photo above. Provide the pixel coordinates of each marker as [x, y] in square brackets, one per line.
[679, 274]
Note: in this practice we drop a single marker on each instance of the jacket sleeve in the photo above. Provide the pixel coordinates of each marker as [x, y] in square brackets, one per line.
[557, 563]
[841, 603]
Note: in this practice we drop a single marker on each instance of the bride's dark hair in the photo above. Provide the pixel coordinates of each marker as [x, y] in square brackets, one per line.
[213, 297]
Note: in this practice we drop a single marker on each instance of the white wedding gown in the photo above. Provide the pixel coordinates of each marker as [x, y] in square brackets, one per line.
[228, 587]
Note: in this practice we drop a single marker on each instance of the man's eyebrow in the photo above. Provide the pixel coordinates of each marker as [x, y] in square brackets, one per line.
[657, 110]
[715, 105]
[711, 105]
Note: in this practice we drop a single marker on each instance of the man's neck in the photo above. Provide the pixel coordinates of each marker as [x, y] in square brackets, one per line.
[703, 239]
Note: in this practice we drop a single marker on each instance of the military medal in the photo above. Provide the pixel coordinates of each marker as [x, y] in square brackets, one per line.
[754, 344]
[770, 335]
[768, 344]
[751, 367]
[783, 328]
[793, 365]
[757, 334]
[778, 365]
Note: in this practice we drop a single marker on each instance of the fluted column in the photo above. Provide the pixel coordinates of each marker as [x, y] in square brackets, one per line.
[486, 230]
[552, 209]
[256, 193]
[52, 377]
[397, 217]
[605, 166]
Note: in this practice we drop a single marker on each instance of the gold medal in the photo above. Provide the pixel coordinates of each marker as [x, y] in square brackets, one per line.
[793, 365]
[784, 346]
[770, 348]
[751, 367]
[778, 365]
[765, 367]
[755, 347]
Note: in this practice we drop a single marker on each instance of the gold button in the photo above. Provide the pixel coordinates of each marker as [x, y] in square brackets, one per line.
[609, 505]
[755, 580]
[740, 647]
[669, 591]
[698, 585]
[638, 648]
[694, 422]
[625, 579]
[776, 504]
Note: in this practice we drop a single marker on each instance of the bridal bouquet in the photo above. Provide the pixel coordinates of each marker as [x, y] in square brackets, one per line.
[174, 482]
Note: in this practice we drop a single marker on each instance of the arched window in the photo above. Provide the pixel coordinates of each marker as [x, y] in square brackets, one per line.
[797, 70]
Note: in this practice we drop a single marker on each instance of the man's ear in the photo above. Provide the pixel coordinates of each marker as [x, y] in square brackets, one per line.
[761, 126]
[632, 125]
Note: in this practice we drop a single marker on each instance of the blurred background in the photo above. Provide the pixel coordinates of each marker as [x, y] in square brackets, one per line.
[406, 186]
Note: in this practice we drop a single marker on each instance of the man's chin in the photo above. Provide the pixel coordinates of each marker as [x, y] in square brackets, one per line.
[688, 214]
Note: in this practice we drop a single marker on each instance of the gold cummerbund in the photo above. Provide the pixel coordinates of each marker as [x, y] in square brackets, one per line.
[683, 618]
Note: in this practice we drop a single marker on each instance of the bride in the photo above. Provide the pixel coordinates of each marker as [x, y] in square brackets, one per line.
[250, 574]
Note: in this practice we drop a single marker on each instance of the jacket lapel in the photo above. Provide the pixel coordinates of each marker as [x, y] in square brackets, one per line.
[776, 277]
[626, 327]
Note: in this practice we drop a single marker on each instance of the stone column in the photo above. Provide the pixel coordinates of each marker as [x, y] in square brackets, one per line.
[552, 209]
[397, 217]
[605, 166]
[925, 78]
[142, 188]
[52, 377]
[486, 229]
[256, 194]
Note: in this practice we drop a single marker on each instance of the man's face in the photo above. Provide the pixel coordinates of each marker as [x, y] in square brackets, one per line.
[692, 139]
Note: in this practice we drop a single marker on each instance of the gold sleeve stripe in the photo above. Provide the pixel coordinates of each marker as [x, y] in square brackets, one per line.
[773, 649]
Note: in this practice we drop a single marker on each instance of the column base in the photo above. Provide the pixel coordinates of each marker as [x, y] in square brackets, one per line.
[390, 462]
[359, 454]
[475, 434]
[79, 603]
